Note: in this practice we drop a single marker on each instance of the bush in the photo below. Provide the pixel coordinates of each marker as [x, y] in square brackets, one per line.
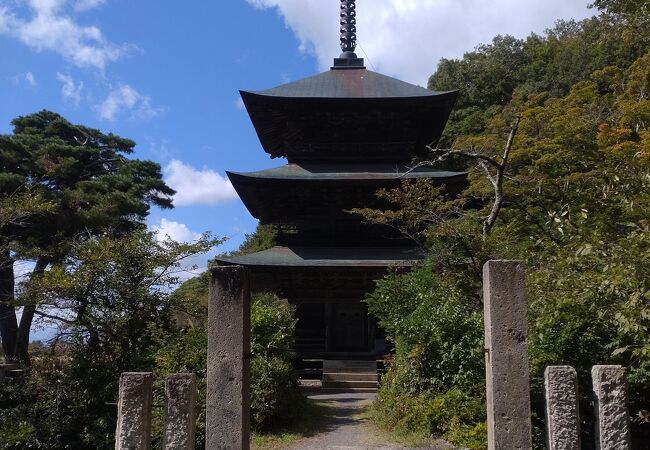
[435, 383]
[276, 399]
[272, 325]
[437, 329]
[275, 396]
[454, 415]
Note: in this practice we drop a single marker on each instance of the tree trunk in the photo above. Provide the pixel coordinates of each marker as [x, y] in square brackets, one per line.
[8, 322]
[24, 330]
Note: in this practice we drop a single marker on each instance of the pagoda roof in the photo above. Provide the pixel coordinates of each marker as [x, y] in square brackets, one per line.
[329, 257]
[352, 114]
[350, 84]
[299, 192]
[332, 171]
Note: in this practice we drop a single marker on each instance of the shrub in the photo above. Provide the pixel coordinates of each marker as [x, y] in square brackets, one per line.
[435, 383]
[437, 329]
[275, 396]
[276, 399]
[454, 416]
[272, 325]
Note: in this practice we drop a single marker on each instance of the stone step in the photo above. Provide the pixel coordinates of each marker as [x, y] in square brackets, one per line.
[11, 371]
[345, 366]
[350, 377]
[349, 384]
[348, 390]
[350, 370]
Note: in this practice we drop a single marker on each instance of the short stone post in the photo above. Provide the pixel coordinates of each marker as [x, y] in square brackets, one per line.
[610, 408]
[134, 412]
[506, 356]
[228, 383]
[562, 413]
[180, 416]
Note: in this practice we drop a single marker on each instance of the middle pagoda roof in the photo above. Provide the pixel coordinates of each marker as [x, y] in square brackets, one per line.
[319, 190]
[348, 115]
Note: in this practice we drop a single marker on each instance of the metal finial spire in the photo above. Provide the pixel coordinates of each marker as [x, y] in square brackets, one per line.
[348, 26]
[348, 59]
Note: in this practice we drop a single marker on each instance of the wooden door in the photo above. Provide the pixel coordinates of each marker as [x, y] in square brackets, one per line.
[349, 328]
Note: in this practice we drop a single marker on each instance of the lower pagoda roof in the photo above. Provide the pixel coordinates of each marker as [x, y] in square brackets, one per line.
[368, 257]
[349, 171]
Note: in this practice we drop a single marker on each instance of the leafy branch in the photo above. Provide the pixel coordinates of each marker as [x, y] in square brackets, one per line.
[493, 168]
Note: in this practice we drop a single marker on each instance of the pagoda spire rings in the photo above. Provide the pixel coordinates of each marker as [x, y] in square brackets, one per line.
[348, 26]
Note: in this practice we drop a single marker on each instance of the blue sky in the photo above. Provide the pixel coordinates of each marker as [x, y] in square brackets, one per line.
[167, 74]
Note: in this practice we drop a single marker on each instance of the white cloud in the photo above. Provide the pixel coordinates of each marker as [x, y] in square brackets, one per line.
[179, 232]
[27, 77]
[125, 98]
[176, 231]
[197, 187]
[69, 89]
[239, 104]
[31, 80]
[49, 28]
[407, 38]
[85, 5]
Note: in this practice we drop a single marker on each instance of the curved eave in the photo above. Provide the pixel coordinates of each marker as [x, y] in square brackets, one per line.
[297, 174]
[348, 84]
[436, 97]
[286, 125]
[274, 198]
[323, 257]
[440, 99]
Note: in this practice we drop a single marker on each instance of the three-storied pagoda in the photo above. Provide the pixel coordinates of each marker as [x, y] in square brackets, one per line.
[345, 133]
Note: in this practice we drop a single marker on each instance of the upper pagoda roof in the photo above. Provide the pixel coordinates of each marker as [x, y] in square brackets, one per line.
[350, 83]
[348, 115]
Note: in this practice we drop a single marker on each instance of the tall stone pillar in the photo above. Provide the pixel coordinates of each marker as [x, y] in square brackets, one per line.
[180, 417]
[228, 384]
[134, 412]
[562, 414]
[506, 356]
[610, 404]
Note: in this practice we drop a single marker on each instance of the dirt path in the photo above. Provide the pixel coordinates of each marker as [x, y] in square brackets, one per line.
[342, 424]
[347, 427]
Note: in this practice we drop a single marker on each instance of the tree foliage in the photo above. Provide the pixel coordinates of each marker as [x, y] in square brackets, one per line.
[82, 185]
[110, 299]
[552, 63]
[575, 208]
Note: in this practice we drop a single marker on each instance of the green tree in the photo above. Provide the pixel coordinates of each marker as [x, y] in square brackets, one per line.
[576, 196]
[553, 62]
[92, 189]
[636, 8]
[264, 237]
[110, 301]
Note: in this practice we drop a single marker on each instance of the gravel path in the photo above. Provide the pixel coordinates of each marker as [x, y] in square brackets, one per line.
[347, 429]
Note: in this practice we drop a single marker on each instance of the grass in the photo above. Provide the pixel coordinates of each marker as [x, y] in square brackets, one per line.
[312, 421]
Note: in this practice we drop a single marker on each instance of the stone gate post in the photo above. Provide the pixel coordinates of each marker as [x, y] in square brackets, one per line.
[228, 383]
[562, 414]
[610, 404]
[506, 356]
[134, 411]
[180, 417]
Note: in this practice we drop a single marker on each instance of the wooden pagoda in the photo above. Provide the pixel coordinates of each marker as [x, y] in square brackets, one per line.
[345, 134]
